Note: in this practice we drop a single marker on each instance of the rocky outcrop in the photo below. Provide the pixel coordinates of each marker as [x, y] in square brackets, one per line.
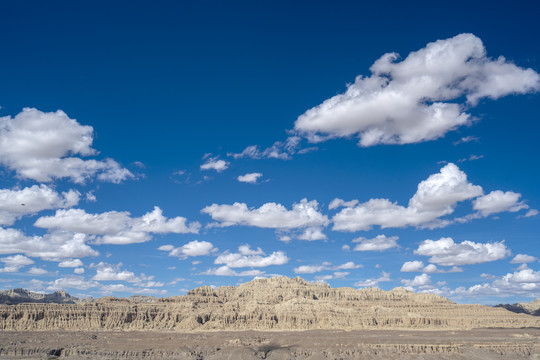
[531, 308]
[266, 304]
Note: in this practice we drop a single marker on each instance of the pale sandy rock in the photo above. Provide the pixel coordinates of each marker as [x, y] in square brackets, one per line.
[278, 303]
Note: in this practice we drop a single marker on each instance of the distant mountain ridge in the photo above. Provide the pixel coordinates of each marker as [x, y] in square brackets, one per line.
[531, 308]
[21, 296]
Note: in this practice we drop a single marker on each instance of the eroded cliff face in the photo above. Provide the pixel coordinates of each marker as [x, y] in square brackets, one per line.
[266, 304]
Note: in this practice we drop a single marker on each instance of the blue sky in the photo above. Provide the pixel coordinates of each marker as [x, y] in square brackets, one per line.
[154, 147]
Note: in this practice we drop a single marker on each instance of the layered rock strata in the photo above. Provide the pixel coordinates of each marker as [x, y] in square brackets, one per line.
[266, 304]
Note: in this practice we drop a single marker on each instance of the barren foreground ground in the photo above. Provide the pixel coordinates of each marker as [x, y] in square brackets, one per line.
[246, 345]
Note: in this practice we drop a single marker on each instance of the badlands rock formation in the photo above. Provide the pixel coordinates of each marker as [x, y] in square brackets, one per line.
[266, 304]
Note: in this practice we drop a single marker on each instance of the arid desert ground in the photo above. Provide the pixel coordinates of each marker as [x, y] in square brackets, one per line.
[246, 345]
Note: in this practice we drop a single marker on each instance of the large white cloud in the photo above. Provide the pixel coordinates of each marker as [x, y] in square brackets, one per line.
[41, 146]
[447, 253]
[30, 200]
[54, 246]
[116, 227]
[524, 282]
[411, 101]
[304, 214]
[435, 197]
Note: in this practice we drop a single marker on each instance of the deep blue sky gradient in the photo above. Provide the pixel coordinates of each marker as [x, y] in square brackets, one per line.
[165, 82]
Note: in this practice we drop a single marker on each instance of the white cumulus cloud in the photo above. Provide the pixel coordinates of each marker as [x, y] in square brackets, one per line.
[304, 214]
[447, 253]
[54, 246]
[418, 266]
[73, 263]
[498, 201]
[16, 203]
[116, 227]
[435, 197]
[524, 282]
[523, 259]
[14, 263]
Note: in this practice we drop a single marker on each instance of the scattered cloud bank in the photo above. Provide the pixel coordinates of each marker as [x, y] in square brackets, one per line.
[418, 266]
[41, 146]
[410, 101]
[55, 246]
[373, 282]
[524, 282]
[14, 263]
[227, 271]
[138, 285]
[246, 257]
[303, 215]
[310, 269]
[115, 227]
[283, 150]
[448, 253]
[110, 272]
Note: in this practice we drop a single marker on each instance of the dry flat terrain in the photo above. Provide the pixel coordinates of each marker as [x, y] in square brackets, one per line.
[247, 345]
